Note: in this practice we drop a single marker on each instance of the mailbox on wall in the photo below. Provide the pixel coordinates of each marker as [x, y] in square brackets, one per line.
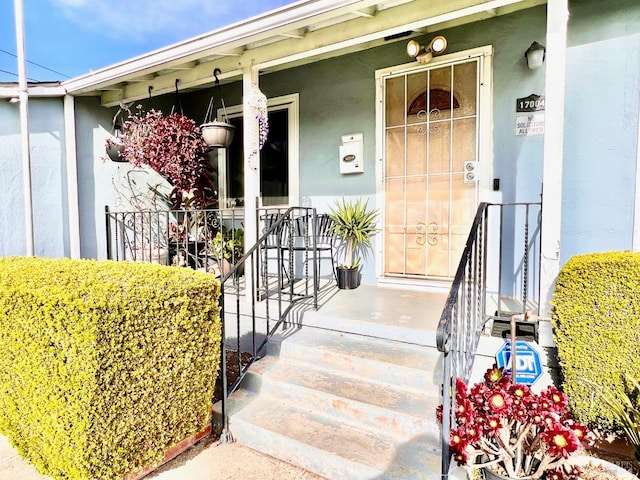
[351, 154]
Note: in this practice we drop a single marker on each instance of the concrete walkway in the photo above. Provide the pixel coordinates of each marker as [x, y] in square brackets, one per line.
[13, 467]
[208, 460]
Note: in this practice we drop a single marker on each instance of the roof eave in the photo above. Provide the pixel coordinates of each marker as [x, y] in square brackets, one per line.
[229, 37]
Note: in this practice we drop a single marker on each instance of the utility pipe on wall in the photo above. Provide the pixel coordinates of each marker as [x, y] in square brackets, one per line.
[72, 176]
[23, 95]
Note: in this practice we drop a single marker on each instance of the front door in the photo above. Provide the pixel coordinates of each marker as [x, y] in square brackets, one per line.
[430, 131]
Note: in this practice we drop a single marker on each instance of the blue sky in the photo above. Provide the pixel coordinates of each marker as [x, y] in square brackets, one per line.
[74, 37]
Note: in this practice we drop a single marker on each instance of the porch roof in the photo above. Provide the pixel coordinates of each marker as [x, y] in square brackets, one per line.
[300, 33]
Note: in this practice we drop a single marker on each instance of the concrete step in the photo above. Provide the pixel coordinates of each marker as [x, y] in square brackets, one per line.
[331, 447]
[389, 362]
[390, 409]
[343, 405]
[398, 333]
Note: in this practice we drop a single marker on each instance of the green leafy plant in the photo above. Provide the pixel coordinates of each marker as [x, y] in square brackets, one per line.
[625, 409]
[596, 317]
[104, 365]
[355, 224]
[228, 244]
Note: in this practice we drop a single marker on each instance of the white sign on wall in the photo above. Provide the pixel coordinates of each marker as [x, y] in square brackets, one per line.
[530, 115]
[530, 124]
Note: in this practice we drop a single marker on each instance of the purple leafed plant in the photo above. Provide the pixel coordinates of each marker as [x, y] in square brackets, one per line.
[173, 146]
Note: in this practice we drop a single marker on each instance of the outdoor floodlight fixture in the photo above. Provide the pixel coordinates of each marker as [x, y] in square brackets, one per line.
[437, 46]
[13, 99]
[535, 55]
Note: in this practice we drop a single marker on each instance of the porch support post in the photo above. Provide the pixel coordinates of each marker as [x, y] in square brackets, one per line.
[557, 17]
[72, 176]
[251, 166]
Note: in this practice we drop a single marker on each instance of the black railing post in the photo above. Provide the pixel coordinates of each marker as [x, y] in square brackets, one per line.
[500, 227]
[224, 435]
[446, 416]
[465, 312]
[107, 216]
[525, 266]
[316, 265]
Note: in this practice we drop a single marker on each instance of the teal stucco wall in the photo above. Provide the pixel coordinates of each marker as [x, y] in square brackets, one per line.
[601, 127]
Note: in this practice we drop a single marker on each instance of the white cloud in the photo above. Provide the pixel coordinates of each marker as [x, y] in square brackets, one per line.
[137, 20]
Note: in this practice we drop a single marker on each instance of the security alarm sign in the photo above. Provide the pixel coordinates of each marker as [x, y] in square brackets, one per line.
[530, 116]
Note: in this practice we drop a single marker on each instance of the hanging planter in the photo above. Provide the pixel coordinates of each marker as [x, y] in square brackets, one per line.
[217, 134]
[115, 146]
[115, 151]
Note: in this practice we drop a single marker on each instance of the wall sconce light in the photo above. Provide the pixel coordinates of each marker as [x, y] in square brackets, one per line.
[535, 55]
[437, 46]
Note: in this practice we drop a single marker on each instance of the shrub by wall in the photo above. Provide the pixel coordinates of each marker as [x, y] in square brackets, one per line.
[104, 365]
[597, 329]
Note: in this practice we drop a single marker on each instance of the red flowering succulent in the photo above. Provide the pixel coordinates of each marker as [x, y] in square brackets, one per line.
[514, 432]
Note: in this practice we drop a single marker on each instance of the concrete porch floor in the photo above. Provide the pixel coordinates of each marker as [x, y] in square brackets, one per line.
[406, 315]
[410, 316]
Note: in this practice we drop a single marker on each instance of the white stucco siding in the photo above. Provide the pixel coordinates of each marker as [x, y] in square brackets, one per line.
[47, 181]
[12, 237]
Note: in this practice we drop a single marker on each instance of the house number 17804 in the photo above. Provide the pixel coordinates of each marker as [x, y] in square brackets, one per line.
[528, 105]
[532, 103]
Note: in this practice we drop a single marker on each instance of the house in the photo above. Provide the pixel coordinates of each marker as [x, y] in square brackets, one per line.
[425, 138]
[337, 75]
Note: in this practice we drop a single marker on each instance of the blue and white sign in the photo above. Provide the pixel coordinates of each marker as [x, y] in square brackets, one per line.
[528, 367]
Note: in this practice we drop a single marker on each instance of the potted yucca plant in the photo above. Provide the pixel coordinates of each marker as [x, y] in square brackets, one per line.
[354, 223]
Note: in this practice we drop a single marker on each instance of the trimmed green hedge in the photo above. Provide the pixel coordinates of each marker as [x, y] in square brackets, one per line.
[104, 365]
[597, 329]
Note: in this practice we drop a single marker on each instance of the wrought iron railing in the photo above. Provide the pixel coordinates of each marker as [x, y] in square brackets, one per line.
[283, 264]
[492, 269]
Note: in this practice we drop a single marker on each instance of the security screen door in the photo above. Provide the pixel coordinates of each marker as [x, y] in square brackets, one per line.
[430, 131]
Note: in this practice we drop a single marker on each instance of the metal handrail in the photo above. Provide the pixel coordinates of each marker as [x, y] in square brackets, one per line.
[465, 313]
[144, 236]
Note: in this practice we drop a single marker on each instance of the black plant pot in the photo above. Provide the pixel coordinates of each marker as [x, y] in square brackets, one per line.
[348, 278]
[114, 152]
[188, 253]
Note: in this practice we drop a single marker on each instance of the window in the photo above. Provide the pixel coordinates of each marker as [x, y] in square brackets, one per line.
[278, 158]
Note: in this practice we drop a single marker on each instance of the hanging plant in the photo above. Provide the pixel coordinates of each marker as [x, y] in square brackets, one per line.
[258, 104]
[258, 107]
[263, 126]
[114, 145]
[173, 146]
[217, 134]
